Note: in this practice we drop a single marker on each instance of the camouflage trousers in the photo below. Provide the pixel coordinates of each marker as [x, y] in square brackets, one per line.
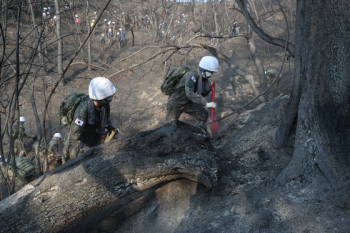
[18, 148]
[193, 109]
[73, 149]
[20, 152]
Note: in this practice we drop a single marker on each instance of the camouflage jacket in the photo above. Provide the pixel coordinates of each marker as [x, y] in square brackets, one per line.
[21, 133]
[80, 129]
[53, 146]
[187, 88]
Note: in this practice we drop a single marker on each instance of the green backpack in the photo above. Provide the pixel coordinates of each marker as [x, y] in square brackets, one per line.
[68, 106]
[169, 82]
[21, 163]
[42, 143]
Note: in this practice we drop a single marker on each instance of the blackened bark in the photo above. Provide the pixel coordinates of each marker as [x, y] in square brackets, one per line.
[107, 173]
[59, 41]
[88, 31]
[323, 127]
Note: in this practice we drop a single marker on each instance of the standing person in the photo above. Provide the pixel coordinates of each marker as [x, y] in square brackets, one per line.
[92, 23]
[122, 34]
[236, 27]
[78, 23]
[19, 145]
[54, 21]
[90, 120]
[211, 39]
[109, 36]
[66, 7]
[103, 41]
[184, 97]
[104, 29]
[233, 28]
[53, 147]
[119, 40]
[180, 40]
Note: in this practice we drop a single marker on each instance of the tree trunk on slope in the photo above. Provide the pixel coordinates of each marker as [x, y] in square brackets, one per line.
[323, 127]
[88, 32]
[59, 42]
[103, 175]
[193, 3]
[38, 34]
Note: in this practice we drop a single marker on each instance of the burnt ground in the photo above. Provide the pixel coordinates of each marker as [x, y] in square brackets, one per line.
[246, 198]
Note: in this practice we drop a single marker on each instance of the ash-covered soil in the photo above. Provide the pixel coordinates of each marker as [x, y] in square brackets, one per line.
[246, 198]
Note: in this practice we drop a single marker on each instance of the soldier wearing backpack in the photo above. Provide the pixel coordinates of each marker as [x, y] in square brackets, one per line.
[19, 145]
[88, 117]
[53, 147]
[184, 87]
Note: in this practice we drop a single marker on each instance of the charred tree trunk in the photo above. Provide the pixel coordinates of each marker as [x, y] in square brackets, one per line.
[193, 3]
[88, 32]
[323, 126]
[102, 175]
[38, 34]
[59, 41]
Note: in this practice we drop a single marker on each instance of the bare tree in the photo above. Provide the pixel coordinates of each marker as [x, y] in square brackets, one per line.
[88, 30]
[59, 41]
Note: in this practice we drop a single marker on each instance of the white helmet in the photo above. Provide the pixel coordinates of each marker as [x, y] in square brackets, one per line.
[209, 63]
[48, 13]
[103, 34]
[95, 12]
[48, 7]
[22, 119]
[117, 33]
[110, 30]
[105, 19]
[44, 14]
[120, 29]
[113, 22]
[100, 88]
[76, 16]
[45, 8]
[93, 20]
[57, 135]
[54, 16]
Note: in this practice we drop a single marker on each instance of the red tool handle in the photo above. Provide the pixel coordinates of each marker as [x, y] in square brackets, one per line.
[212, 87]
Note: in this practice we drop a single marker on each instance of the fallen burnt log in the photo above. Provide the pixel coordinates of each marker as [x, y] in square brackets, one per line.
[105, 174]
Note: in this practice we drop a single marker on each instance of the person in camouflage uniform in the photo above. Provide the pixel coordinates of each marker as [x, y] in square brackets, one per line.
[90, 120]
[185, 99]
[19, 145]
[53, 147]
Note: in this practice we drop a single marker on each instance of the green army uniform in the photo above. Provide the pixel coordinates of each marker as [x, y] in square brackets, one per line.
[271, 73]
[19, 143]
[185, 100]
[82, 135]
[52, 148]
[180, 40]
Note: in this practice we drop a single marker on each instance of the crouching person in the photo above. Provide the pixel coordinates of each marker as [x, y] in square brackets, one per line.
[90, 120]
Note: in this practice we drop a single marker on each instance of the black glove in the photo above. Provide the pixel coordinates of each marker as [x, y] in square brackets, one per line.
[110, 128]
[35, 137]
